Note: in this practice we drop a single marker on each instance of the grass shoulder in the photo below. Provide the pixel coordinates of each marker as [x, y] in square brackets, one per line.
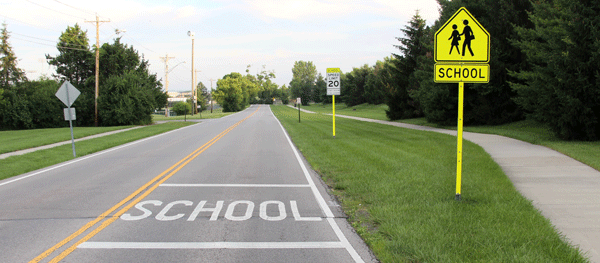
[217, 113]
[11, 141]
[526, 130]
[397, 187]
[20, 164]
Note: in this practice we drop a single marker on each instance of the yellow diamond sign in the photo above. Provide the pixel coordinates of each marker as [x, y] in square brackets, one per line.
[462, 39]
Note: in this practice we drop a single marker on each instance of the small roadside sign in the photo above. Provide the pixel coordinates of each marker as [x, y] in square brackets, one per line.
[467, 73]
[462, 39]
[333, 81]
[69, 114]
[67, 93]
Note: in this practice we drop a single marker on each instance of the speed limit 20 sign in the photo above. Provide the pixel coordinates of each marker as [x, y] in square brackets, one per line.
[333, 81]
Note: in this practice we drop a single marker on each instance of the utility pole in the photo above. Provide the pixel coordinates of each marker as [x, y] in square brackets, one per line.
[97, 65]
[191, 35]
[166, 60]
[211, 104]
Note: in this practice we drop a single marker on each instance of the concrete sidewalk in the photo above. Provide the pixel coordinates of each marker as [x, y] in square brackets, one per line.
[566, 191]
[21, 152]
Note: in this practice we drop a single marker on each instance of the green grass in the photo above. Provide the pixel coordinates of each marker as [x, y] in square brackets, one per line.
[11, 141]
[527, 130]
[376, 112]
[397, 186]
[20, 164]
[217, 113]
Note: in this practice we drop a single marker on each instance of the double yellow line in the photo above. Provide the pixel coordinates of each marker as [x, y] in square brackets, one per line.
[160, 178]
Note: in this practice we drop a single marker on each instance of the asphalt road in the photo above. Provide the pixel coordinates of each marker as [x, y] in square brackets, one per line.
[233, 189]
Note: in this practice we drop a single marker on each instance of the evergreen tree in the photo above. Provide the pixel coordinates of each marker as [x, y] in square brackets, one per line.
[562, 88]
[10, 74]
[353, 88]
[400, 103]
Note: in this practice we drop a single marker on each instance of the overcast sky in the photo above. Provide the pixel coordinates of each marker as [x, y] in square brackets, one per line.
[229, 34]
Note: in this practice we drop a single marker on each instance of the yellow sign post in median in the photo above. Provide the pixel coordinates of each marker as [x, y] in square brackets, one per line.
[461, 53]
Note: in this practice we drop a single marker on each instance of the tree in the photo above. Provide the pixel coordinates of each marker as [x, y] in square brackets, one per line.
[353, 88]
[229, 94]
[562, 86]
[284, 94]
[234, 91]
[303, 80]
[203, 96]
[10, 74]
[182, 108]
[400, 103]
[375, 85]
[320, 91]
[75, 61]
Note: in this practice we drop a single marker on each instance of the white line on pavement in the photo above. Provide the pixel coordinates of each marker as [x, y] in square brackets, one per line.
[236, 185]
[209, 245]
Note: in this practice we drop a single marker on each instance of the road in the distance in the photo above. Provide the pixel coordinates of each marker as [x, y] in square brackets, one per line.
[226, 190]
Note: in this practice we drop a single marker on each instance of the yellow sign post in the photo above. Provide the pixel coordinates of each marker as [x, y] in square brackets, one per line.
[333, 88]
[462, 51]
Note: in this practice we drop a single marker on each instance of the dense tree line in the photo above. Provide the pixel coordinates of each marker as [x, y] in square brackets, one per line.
[128, 92]
[544, 66]
[235, 92]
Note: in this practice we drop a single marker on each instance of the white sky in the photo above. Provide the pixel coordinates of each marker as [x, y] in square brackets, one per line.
[230, 34]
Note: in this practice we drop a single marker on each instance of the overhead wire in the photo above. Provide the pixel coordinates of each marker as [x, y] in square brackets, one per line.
[53, 9]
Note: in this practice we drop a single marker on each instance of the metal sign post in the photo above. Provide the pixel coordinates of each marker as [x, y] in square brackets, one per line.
[298, 102]
[67, 93]
[333, 88]
[466, 66]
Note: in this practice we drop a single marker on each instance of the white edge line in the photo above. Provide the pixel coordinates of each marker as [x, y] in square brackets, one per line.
[209, 245]
[235, 185]
[321, 200]
[92, 155]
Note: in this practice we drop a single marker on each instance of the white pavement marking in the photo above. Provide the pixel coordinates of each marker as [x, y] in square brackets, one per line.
[91, 156]
[236, 185]
[330, 217]
[209, 245]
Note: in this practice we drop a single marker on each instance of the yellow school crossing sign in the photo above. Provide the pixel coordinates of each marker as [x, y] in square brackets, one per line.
[462, 39]
[462, 51]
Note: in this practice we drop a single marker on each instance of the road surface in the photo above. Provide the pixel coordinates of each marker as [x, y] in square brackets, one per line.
[233, 189]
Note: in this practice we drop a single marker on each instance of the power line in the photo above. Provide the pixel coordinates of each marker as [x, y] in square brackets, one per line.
[85, 11]
[54, 10]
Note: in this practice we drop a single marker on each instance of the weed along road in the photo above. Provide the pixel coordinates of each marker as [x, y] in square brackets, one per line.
[233, 189]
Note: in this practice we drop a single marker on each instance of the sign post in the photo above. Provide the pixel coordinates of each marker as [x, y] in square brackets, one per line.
[469, 65]
[333, 88]
[298, 102]
[67, 93]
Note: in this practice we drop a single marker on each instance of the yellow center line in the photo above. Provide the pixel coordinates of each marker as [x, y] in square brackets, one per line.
[173, 169]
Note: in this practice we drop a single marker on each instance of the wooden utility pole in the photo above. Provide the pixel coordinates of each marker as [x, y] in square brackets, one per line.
[97, 65]
[166, 60]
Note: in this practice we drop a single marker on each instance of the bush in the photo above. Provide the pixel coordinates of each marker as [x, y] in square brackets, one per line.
[182, 108]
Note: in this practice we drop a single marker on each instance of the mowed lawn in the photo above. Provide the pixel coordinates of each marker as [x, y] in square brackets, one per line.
[11, 141]
[16, 165]
[526, 130]
[398, 185]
